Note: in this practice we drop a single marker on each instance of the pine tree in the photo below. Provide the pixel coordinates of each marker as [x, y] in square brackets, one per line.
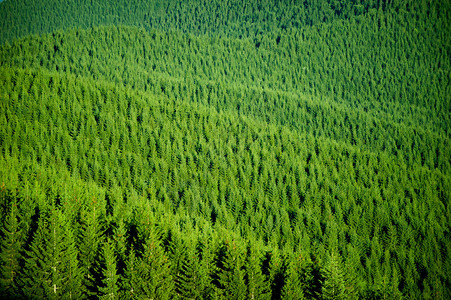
[110, 286]
[231, 273]
[275, 273]
[153, 270]
[334, 286]
[189, 280]
[88, 244]
[73, 276]
[51, 267]
[293, 286]
[257, 286]
[177, 252]
[10, 254]
[131, 276]
[120, 242]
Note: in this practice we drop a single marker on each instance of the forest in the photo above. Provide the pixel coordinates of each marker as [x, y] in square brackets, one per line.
[231, 149]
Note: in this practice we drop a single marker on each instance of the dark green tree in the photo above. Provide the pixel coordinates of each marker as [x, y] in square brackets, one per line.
[193, 280]
[131, 277]
[90, 236]
[294, 286]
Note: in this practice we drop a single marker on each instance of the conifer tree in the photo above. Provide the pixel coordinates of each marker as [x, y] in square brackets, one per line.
[334, 286]
[88, 245]
[10, 253]
[131, 276]
[231, 273]
[153, 270]
[51, 267]
[110, 285]
[191, 281]
[275, 273]
[293, 286]
[120, 242]
[257, 285]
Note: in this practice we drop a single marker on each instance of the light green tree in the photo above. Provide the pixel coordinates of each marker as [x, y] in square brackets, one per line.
[51, 266]
[10, 254]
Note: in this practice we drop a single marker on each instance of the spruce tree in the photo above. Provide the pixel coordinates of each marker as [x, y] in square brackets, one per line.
[120, 242]
[131, 276]
[293, 286]
[88, 244]
[193, 280]
[275, 273]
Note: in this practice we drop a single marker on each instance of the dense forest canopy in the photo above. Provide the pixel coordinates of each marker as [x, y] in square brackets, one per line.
[235, 18]
[225, 149]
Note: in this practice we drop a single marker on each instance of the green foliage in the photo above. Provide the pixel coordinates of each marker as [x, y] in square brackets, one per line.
[193, 281]
[348, 109]
[131, 276]
[224, 18]
[299, 278]
[110, 286]
[256, 282]
[51, 265]
[89, 242]
[335, 285]
[10, 254]
[230, 274]
[272, 149]
[153, 276]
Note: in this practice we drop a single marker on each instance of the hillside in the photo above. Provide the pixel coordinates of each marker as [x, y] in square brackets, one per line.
[233, 18]
[146, 158]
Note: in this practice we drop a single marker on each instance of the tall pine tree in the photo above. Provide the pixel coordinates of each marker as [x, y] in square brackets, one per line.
[110, 286]
[257, 285]
[153, 273]
[51, 266]
[334, 286]
[231, 273]
[10, 254]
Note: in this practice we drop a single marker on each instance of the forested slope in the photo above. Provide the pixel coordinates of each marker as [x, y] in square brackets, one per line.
[308, 159]
[279, 80]
[235, 18]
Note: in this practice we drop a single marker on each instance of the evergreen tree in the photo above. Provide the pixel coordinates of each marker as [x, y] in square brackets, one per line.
[231, 273]
[293, 284]
[10, 255]
[120, 242]
[131, 276]
[275, 273]
[88, 244]
[110, 285]
[192, 281]
[334, 286]
[257, 285]
[153, 270]
[51, 266]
